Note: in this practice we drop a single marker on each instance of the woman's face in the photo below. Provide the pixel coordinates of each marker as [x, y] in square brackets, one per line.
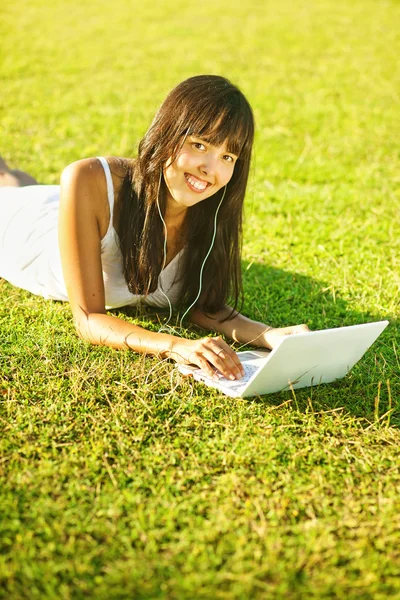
[198, 172]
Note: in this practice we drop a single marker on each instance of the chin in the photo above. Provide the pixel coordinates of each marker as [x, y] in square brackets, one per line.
[189, 201]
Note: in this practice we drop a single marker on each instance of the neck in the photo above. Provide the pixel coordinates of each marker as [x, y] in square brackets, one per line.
[174, 213]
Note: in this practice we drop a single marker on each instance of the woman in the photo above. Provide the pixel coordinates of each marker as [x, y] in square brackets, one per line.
[171, 237]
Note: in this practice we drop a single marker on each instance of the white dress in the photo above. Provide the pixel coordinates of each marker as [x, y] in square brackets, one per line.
[30, 256]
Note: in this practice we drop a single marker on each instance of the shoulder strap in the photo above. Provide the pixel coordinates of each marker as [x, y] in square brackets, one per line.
[110, 187]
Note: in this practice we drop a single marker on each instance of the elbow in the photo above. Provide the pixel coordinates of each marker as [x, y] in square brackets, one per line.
[85, 328]
[83, 332]
[86, 319]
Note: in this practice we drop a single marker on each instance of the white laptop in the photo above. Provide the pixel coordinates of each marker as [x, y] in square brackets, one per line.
[300, 360]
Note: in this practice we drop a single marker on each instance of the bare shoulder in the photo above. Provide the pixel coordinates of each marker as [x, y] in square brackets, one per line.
[90, 171]
[86, 175]
[84, 189]
[87, 171]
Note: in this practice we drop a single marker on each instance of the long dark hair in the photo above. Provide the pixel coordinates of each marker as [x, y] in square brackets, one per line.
[209, 107]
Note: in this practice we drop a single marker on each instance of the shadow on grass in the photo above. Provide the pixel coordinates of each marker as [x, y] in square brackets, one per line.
[282, 298]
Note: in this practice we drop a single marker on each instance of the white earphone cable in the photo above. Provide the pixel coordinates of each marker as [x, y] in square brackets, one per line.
[167, 327]
[205, 259]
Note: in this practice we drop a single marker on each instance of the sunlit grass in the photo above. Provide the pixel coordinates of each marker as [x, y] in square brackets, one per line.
[120, 478]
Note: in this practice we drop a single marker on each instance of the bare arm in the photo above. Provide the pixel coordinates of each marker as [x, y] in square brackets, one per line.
[242, 329]
[83, 221]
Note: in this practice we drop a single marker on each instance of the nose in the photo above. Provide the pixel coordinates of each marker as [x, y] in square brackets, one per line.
[208, 164]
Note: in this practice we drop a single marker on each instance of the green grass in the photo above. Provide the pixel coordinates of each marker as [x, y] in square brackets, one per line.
[119, 479]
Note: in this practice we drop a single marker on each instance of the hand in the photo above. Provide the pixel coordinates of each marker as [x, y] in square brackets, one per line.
[210, 354]
[273, 336]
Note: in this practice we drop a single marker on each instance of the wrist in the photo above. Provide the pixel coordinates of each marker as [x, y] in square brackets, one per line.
[173, 347]
[167, 346]
[265, 340]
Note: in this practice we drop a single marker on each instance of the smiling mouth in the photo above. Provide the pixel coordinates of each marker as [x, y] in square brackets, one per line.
[195, 184]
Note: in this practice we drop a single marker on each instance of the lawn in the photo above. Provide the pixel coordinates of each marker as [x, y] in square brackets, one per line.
[120, 479]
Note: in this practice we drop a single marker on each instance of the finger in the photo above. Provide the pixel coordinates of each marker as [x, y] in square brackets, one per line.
[301, 328]
[222, 357]
[231, 360]
[205, 365]
[295, 329]
[222, 362]
[219, 365]
[197, 358]
[225, 353]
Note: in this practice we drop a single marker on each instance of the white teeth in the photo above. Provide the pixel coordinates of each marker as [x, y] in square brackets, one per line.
[196, 184]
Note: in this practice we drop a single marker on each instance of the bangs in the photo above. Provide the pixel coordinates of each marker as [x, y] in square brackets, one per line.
[232, 123]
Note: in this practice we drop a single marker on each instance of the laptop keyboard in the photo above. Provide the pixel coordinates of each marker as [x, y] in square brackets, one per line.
[251, 364]
[249, 371]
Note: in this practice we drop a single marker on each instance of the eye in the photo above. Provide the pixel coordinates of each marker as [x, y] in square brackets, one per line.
[228, 158]
[198, 146]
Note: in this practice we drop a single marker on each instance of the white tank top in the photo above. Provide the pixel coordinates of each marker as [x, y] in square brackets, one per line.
[30, 257]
